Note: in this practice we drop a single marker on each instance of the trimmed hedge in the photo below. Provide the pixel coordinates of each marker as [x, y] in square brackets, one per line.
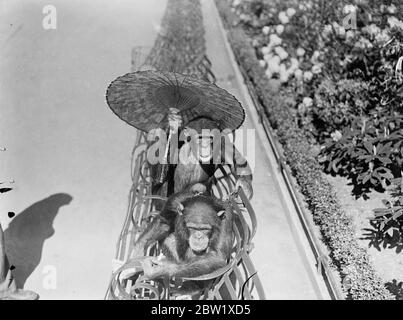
[359, 278]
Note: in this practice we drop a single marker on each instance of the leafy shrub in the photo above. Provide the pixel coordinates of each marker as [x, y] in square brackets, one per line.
[350, 259]
[339, 75]
[370, 151]
[389, 220]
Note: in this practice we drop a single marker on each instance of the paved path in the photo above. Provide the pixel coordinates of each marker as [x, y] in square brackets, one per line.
[281, 253]
[67, 152]
[69, 155]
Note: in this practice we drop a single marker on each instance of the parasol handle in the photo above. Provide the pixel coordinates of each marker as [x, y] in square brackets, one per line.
[165, 165]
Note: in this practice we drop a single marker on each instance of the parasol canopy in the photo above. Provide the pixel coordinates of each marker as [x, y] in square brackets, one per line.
[143, 98]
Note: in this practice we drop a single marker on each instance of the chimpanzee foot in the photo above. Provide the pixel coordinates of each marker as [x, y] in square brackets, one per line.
[18, 294]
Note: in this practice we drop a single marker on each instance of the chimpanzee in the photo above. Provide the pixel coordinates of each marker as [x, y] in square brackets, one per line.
[191, 169]
[195, 231]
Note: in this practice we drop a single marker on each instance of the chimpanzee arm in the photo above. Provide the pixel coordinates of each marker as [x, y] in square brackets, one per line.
[163, 224]
[157, 230]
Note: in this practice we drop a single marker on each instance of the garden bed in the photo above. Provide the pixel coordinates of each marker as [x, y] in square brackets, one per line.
[289, 109]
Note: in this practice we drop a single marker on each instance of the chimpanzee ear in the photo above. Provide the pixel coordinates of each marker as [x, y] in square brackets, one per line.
[220, 213]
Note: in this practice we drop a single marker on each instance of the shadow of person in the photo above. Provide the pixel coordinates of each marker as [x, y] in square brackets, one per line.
[27, 232]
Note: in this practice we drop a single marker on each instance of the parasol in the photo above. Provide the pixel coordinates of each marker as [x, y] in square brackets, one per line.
[143, 98]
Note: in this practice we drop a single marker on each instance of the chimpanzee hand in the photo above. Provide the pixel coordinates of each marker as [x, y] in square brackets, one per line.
[246, 185]
[154, 268]
[174, 119]
[198, 188]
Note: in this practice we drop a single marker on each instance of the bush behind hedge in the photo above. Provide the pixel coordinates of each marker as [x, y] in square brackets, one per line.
[360, 280]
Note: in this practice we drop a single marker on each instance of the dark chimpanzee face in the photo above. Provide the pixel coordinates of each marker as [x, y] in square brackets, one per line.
[201, 222]
[199, 236]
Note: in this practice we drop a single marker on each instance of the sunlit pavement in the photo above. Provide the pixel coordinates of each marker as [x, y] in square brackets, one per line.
[67, 152]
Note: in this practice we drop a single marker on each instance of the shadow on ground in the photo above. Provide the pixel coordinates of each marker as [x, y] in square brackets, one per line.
[27, 233]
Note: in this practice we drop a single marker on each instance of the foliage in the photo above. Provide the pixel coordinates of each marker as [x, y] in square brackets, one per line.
[389, 220]
[370, 150]
[350, 259]
[343, 61]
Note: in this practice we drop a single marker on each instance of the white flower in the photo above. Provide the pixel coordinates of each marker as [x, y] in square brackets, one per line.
[336, 136]
[349, 8]
[301, 108]
[275, 40]
[315, 56]
[298, 74]
[283, 73]
[290, 12]
[307, 101]
[282, 16]
[300, 52]
[279, 29]
[243, 17]
[341, 32]
[294, 65]
[281, 53]
[382, 37]
[274, 64]
[266, 30]
[262, 63]
[327, 29]
[269, 74]
[372, 29]
[236, 3]
[308, 76]
[265, 50]
[395, 23]
[350, 34]
[392, 9]
[267, 57]
[317, 68]
[255, 43]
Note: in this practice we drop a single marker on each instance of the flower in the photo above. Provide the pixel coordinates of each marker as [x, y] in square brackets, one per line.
[279, 29]
[382, 37]
[294, 64]
[298, 74]
[262, 63]
[266, 30]
[395, 23]
[255, 42]
[274, 64]
[349, 8]
[307, 101]
[281, 53]
[392, 9]
[350, 35]
[372, 29]
[265, 50]
[300, 52]
[301, 109]
[267, 57]
[269, 74]
[336, 136]
[275, 40]
[317, 68]
[327, 29]
[308, 76]
[282, 16]
[243, 17]
[290, 12]
[315, 56]
[236, 3]
[283, 73]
